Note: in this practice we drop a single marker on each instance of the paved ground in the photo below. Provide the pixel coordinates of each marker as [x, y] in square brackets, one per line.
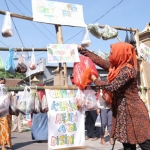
[23, 141]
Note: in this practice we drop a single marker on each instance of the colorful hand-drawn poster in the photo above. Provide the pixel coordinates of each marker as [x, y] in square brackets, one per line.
[57, 13]
[65, 123]
[144, 51]
[62, 53]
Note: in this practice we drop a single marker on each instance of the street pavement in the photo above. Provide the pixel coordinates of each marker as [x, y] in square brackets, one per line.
[23, 141]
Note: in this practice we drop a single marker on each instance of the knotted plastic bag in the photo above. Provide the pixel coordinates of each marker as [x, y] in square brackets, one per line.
[44, 104]
[32, 64]
[7, 30]
[86, 38]
[82, 70]
[10, 65]
[109, 33]
[37, 105]
[13, 110]
[21, 66]
[80, 99]
[94, 30]
[26, 101]
[90, 100]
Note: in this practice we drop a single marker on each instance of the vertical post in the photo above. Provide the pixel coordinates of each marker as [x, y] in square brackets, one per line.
[59, 37]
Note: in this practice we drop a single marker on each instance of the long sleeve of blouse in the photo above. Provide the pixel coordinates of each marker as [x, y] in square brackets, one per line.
[99, 61]
[121, 79]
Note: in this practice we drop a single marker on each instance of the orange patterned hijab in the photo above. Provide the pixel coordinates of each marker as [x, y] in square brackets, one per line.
[122, 54]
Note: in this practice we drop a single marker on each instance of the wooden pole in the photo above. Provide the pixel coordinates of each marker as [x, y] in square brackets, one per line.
[24, 49]
[69, 87]
[59, 87]
[119, 28]
[63, 73]
[31, 19]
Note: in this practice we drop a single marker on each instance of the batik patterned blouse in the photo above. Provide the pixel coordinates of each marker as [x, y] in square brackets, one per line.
[130, 120]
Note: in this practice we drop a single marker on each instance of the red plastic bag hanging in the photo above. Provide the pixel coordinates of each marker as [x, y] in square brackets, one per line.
[82, 70]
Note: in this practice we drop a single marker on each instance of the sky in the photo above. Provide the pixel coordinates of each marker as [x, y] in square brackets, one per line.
[129, 13]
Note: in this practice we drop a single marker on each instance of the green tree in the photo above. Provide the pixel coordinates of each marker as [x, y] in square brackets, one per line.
[16, 75]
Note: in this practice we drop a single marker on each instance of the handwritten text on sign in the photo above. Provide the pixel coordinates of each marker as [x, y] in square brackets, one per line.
[57, 13]
[66, 123]
[62, 53]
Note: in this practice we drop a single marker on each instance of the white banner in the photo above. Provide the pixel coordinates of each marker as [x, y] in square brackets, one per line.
[66, 123]
[144, 52]
[57, 13]
[62, 53]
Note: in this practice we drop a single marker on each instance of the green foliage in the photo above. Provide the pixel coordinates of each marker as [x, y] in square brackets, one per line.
[16, 75]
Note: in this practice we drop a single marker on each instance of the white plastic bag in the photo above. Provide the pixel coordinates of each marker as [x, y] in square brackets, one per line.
[94, 30]
[26, 101]
[7, 30]
[37, 105]
[4, 101]
[32, 64]
[86, 38]
[80, 99]
[109, 32]
[98, 121]
[90, 100]
[13, 110]
[44, 104]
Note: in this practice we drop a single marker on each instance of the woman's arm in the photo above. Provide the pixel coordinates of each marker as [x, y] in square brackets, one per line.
[99, 61]
[121, 79]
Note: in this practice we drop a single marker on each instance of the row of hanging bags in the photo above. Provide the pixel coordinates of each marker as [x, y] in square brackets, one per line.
[86, 100]
[30, 101]
[131, 40]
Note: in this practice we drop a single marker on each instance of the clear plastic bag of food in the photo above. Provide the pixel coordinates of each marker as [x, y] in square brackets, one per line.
[86, 41]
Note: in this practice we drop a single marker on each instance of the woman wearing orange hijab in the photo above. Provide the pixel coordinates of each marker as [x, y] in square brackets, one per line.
[130, 120]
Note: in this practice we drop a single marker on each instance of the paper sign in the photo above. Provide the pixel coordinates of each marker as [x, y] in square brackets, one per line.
[57, 13]
[144, 52]
[66, 123]
[62, 53]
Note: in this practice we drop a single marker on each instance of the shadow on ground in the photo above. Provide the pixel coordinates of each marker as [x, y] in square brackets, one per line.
[23, 144]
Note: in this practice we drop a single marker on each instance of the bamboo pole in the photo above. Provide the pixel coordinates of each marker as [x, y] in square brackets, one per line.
[69, 87]
[63, 73]
[119, 28]
[59, 87]
[31, 19]
[24, 49]
[17, 16]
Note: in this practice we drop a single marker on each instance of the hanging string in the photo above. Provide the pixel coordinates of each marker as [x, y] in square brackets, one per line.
[31, 22]
[4, 44]
[40, 23]
[96, 20]
[14, 24]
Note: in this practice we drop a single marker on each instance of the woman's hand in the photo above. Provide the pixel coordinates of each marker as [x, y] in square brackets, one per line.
[80, 48]
[93, 77]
